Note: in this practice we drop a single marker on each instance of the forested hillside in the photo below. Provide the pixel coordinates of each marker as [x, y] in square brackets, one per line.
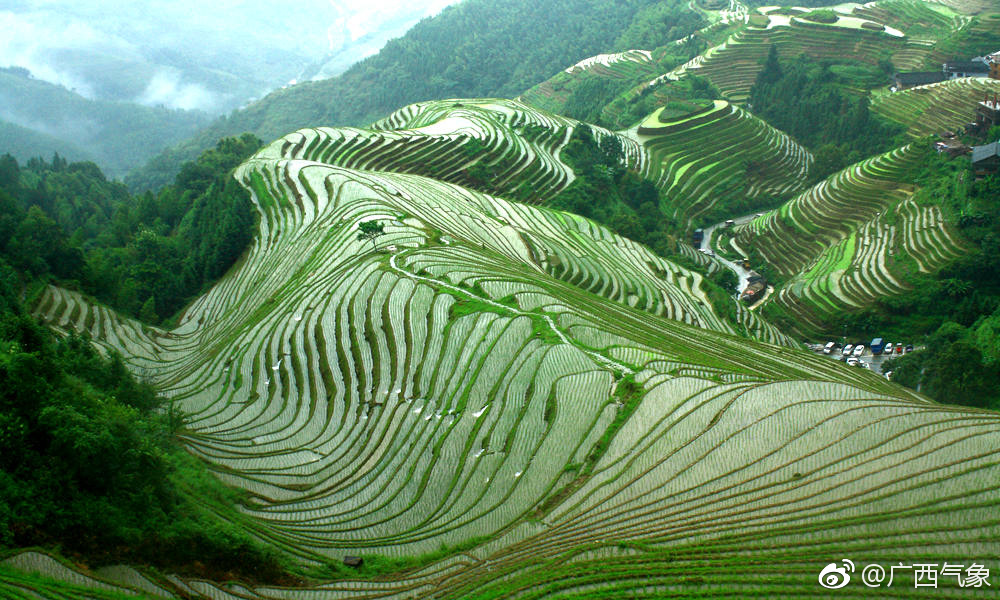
[477, 48]
[146, 255]
[825, 106]
[39, 118]
[90, 464]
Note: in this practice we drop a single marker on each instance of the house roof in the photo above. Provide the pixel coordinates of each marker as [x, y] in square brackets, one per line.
[922, 78]
[966, 66]
[980, 153]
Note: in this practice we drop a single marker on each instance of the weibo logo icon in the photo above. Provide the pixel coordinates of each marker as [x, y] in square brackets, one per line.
[834, 577]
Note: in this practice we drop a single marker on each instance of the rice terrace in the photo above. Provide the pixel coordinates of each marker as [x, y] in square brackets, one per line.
[482, 348]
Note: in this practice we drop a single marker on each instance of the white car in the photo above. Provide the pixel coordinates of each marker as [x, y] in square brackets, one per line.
[828, 348]
[859, 350]
[847, 349]
[853, 361]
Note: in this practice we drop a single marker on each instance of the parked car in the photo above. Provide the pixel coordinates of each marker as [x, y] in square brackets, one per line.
[853, 361]
[859, 350]
[886, 348]
[899, 348]
[909, 348]
[828, 348]
[847, 349]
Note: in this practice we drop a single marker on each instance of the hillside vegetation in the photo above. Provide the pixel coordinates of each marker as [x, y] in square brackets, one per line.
[88, 464]
[146, 255]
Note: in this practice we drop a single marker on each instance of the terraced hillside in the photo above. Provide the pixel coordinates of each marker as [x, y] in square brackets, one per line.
[615, 75]
[849, 240]
[734, 65]
[507, 148]
[525, 385]
[900, 30]
[720, 154]
[499, 146]
[553, 93]
[933, 109]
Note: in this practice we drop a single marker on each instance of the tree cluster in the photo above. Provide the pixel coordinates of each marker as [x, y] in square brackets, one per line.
[812, 101]
[91, 468]
[145, 255]
[605, 191]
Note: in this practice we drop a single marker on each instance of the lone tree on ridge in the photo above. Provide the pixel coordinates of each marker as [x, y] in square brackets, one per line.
[369, 230]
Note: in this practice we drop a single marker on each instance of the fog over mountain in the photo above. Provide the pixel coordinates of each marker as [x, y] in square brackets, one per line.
[158, 54]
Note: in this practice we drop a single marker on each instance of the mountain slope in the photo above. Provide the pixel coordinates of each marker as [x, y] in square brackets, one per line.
[486, 379]
[24, 144]
[853, 239]
[118, 136]
[477, 48]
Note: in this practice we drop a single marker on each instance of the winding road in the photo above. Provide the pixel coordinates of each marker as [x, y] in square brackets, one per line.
[741, 273]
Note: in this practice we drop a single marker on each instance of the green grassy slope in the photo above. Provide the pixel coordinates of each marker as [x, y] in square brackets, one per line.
[528, 387]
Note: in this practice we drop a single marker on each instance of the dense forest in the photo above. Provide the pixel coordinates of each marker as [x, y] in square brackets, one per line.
[824, 106]
[145, 255]
[38, 118]
[477, 48]
[91, 467]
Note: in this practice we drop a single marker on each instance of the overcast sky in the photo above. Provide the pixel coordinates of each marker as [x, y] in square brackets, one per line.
[189, 53]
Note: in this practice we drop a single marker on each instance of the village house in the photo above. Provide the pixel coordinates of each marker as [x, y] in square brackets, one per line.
[966, 68]
[986, 159]
[987, 113]
[905, 81]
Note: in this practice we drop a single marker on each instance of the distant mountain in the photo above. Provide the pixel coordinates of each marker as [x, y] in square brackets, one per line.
[474, 49]
[40, 118]
[194, 55]
[24, 143]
